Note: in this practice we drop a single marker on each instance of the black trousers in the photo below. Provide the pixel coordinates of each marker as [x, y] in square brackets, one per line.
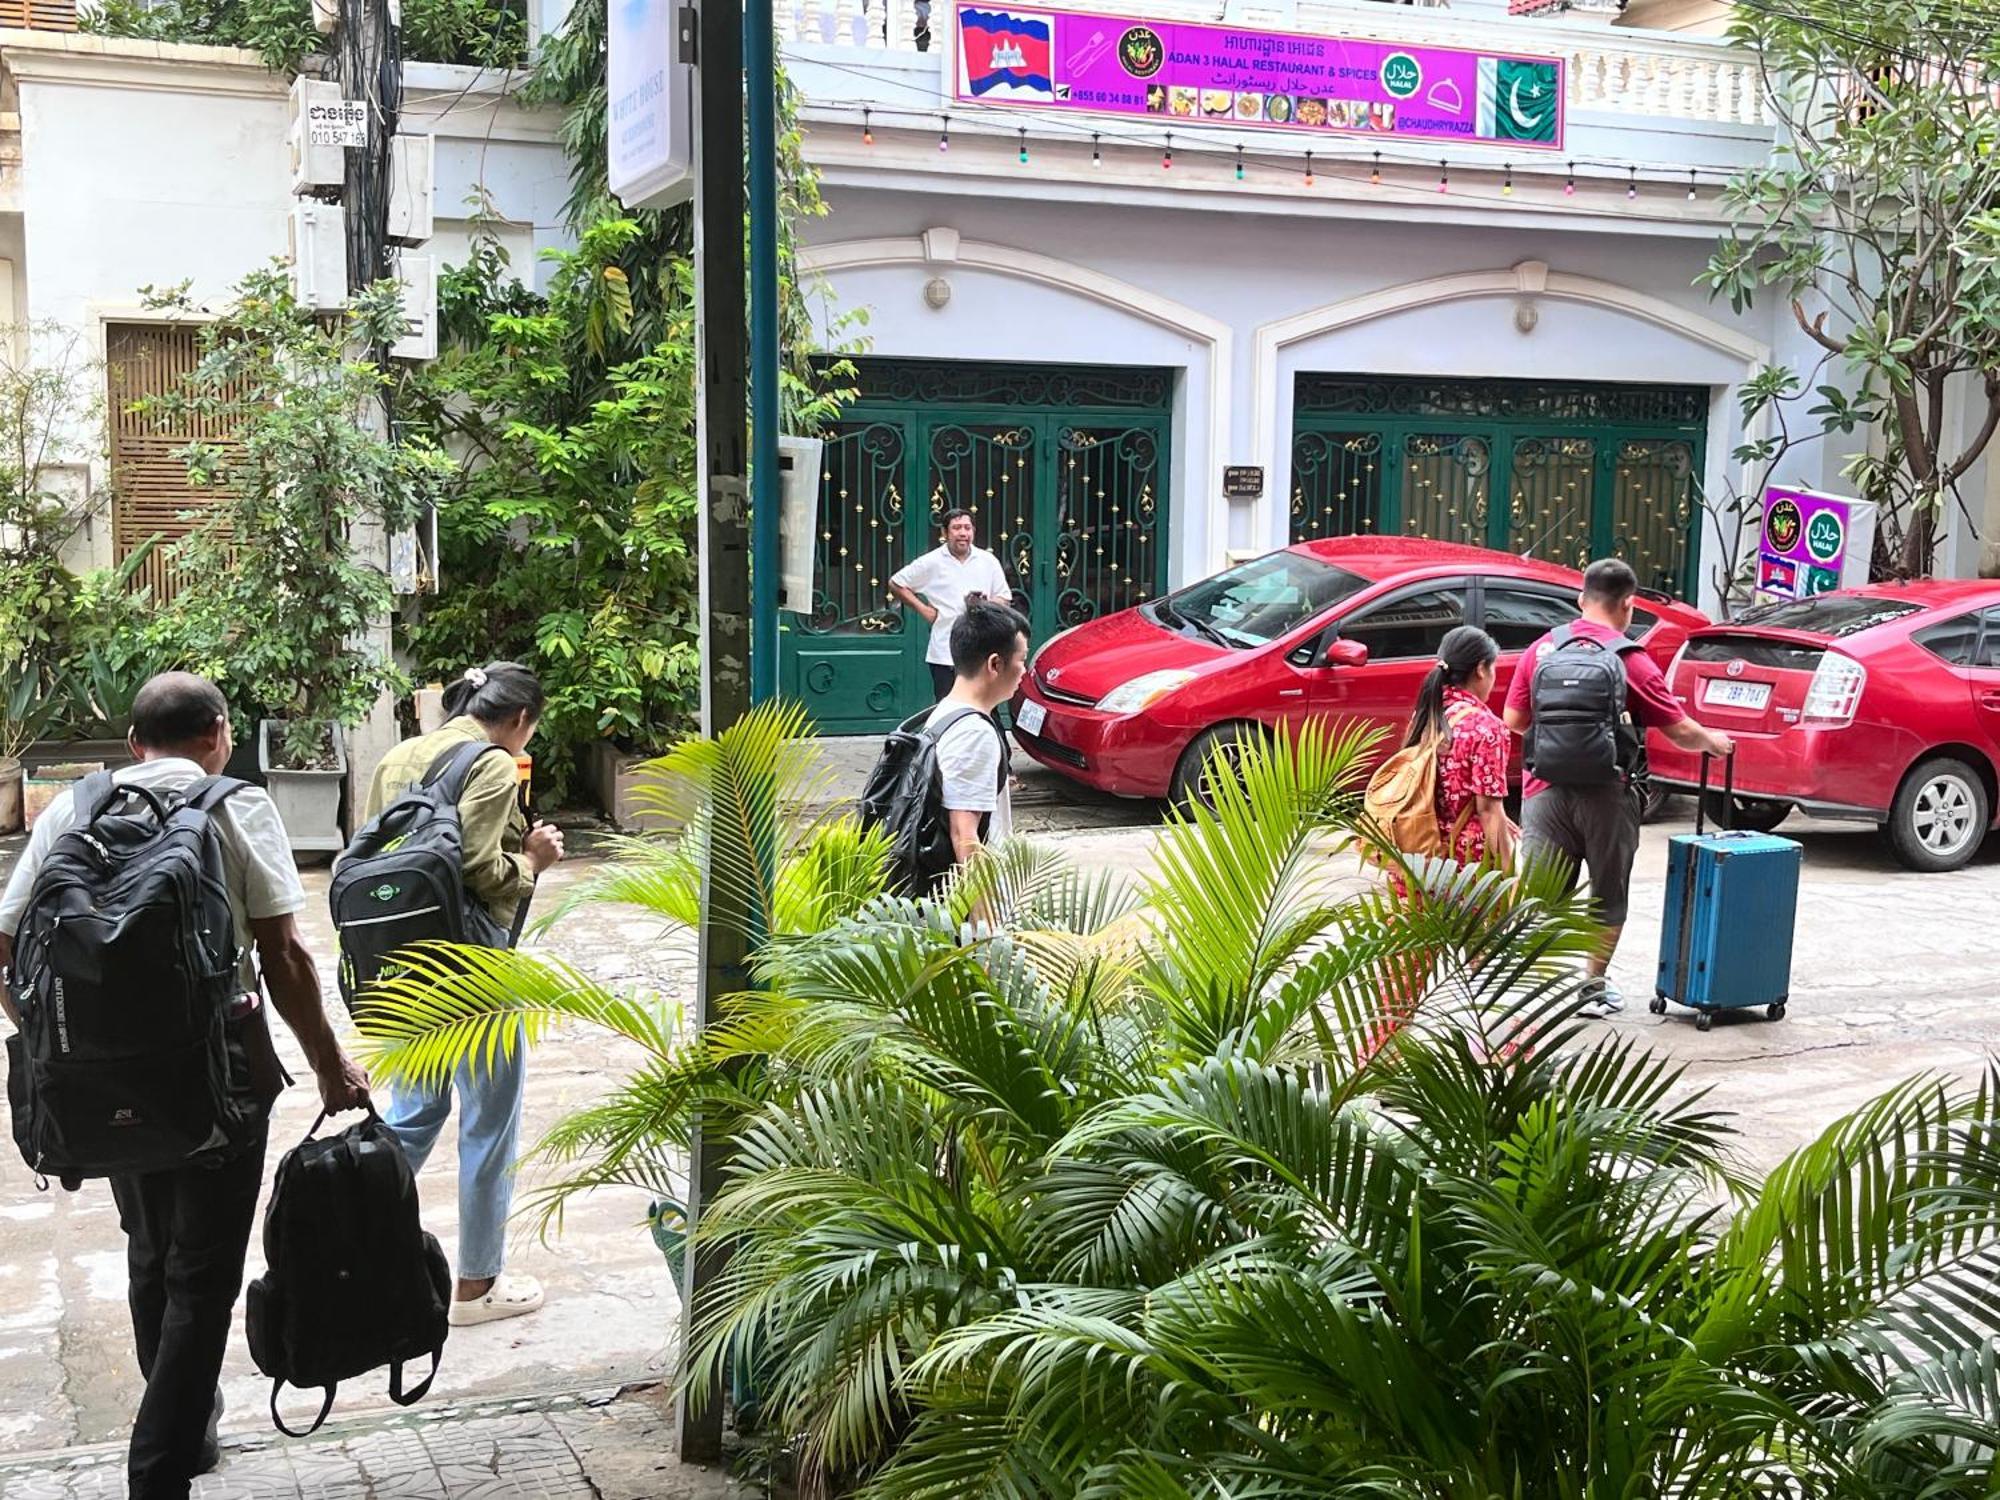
[186, 1235]
[942, 677]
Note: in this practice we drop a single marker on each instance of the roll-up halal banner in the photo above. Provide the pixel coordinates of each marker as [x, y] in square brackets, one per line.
[1182, 74]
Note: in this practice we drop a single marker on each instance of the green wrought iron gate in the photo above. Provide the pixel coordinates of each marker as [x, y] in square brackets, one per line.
[1065, 470]
[1563, 471]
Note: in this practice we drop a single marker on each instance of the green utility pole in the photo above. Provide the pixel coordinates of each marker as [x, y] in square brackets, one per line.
[725, 601]
[760, 86]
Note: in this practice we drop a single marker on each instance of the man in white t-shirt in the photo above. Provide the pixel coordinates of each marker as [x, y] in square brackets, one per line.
[188, 1230]
[989, 648]
[936, 586]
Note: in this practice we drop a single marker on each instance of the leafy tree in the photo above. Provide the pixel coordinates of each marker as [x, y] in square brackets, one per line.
[1135, 1200]
[568, 533]
[277, 602]
[484, 33]
[51, 425]
[569, 541]
[1874, 220]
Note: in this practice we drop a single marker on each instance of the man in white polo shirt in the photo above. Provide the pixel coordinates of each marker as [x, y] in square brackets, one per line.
[936, 585]
[188, 1228]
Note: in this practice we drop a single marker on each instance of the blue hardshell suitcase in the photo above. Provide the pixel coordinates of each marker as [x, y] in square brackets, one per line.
[1732, 904]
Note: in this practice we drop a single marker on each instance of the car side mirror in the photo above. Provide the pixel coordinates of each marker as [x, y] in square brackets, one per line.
[1344, 653]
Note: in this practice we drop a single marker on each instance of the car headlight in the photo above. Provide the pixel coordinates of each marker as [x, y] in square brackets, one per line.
[1130, 697]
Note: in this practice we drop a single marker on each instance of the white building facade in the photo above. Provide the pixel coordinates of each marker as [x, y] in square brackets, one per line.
[126, 165]
[1139, 346]
[1136, 345]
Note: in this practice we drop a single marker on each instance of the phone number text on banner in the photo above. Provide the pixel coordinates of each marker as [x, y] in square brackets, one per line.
[1225, 75]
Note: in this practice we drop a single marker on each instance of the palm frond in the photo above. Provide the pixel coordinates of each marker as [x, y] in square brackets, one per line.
[1241, 888]
[447, 1005]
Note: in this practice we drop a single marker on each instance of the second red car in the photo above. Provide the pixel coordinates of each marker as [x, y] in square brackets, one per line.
[1879, 704]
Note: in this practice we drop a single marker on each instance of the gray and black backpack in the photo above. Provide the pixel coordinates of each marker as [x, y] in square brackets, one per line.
[1581, 732]
[402, 879]
[905, 798]
[125, 971]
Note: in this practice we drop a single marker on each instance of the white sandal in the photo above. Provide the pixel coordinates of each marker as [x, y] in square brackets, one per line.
[508, 1297]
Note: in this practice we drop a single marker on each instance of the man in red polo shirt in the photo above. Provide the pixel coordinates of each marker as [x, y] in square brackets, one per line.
[1595, 825]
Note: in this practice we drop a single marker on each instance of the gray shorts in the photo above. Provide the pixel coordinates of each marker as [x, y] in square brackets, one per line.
[1595, 829]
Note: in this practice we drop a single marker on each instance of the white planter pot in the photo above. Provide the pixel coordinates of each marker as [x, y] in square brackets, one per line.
[308, 801]
[618, 779]
[11, 775]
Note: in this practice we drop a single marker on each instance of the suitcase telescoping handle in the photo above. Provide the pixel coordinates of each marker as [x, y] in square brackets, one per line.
[1728, 790]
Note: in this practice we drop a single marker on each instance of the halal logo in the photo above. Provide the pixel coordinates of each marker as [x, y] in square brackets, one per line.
[385, 892]
[1825, 536]
[1783, 525]
[1402, 75]
[1140, 52]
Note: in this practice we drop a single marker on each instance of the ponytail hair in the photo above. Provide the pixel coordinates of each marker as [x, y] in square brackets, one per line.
[495, 694]
[1461, 654]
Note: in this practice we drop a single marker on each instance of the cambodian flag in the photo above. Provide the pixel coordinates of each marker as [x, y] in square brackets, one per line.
[998, 50]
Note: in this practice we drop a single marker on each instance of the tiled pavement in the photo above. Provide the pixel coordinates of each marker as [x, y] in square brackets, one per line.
[608, 1446]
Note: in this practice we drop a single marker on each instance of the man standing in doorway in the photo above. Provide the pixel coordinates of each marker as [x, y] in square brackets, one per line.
[937, 585]
[1572, 805]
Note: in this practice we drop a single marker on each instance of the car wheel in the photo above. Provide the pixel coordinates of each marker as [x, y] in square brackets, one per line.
[1940, 816]
[1657, 798]
[1214, 752]
[1750, 814]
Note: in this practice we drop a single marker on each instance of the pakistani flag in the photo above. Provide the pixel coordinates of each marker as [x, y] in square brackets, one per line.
[1518, 100]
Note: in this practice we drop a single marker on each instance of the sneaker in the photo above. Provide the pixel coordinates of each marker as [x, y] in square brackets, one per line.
[1600, 999]
[508, 1297]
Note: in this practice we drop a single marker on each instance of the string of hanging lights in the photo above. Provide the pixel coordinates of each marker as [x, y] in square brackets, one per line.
[1245, 160]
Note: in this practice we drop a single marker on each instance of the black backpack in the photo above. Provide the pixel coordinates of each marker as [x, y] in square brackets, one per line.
[402, 878]
[1580, 731]
[354, 1280]
[905, 796]
[125, 971]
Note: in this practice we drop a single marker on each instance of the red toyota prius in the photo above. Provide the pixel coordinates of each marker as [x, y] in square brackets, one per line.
[1879, 704]
[1344, 629]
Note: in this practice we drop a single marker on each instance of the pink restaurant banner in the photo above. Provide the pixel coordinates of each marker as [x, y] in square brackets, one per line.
[1178, 73]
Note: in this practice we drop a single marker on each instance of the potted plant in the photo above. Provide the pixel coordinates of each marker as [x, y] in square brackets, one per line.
[281, 604]
[28, 705]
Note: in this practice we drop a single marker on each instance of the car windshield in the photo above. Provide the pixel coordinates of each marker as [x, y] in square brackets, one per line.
[1836, 615]
[1256, 602]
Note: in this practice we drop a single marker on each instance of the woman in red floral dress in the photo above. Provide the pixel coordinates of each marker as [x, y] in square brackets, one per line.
[1472, 765]
[1472, 778]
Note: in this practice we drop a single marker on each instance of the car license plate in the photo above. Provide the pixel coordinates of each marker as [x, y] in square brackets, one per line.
[1031, 717]
[1721, 694]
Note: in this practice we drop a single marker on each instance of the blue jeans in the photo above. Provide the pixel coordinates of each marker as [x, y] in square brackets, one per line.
[489, 1124]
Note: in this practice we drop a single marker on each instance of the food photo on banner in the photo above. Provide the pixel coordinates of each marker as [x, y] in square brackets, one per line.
[1085, 63]
[1812, 543]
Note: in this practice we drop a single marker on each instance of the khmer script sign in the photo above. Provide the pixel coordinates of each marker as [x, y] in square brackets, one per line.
[1183, 74]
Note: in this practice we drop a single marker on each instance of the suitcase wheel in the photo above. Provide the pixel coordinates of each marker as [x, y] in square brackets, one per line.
[1657, 1005]
[1775, 1012]
[1704, 1020]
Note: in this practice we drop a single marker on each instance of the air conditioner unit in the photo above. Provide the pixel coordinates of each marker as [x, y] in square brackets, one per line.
[314, 168]
[318, 240]
[798, 520]
[412, 188]
[416, 275]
